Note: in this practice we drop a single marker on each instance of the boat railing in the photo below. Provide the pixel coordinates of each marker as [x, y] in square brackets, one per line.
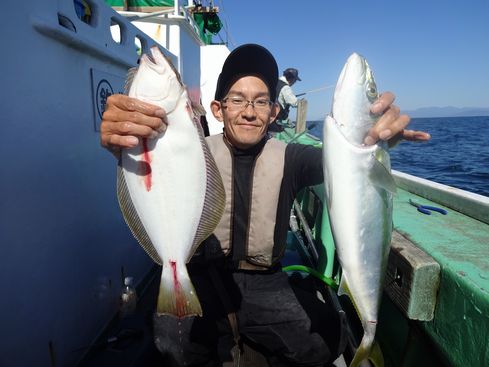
[175, 13]
[468, 203]
[94, 34]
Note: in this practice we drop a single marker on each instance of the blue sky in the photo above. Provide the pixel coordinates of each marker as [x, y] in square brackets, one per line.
[429, 53]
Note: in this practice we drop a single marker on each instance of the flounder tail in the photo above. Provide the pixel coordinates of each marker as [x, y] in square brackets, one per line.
[177, 294]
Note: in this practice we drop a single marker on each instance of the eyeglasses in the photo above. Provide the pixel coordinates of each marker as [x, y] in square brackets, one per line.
[237, 103]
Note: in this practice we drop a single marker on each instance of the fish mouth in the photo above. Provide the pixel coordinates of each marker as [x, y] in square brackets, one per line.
[153, 57]
[155, 60]
[160, 62]
[352, 75]
[150, 57]
[150, 62]
[356, 67]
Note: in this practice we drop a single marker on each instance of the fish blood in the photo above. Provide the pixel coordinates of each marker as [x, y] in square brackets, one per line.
[179, 298]
[147, 165]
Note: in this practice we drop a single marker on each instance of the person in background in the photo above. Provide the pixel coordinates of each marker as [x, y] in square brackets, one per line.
[285, 98]
[261, 175]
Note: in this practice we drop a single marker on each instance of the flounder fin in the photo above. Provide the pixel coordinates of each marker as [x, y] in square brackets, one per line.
[132, 218]
[215, 196]
[198, 109]
[177, 295]
[380, 176]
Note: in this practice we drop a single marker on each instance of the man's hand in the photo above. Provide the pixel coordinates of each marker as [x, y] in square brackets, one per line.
[391, 125]
[126, 119]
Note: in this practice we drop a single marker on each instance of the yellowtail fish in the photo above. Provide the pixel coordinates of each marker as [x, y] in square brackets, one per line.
[169, 188]
[359, 189]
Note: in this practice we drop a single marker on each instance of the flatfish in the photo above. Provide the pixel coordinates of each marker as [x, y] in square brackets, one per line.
[169, 188]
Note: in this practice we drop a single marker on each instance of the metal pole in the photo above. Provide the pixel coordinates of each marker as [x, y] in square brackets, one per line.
[146, 16]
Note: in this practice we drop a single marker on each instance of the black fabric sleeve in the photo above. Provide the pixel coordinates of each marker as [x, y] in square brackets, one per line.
[304, 165]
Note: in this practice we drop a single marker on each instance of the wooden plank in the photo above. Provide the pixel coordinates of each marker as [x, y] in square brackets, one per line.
[300, 125]
[412, 279]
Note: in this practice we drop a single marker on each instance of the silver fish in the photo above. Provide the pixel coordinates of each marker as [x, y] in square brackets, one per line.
[169, 188]
[359, 189]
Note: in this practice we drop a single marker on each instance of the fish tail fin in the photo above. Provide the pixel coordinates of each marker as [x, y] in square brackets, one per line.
[368, 349]
[177, 295]
[376, 356]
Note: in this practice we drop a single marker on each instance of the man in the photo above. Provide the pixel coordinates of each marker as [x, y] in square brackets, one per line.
[285, 95]
[261, 176]
[285, 99]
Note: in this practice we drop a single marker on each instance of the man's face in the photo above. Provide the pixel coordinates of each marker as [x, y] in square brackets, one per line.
[245, 126]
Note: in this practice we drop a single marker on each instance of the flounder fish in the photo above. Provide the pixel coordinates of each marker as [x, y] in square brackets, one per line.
[169, 188]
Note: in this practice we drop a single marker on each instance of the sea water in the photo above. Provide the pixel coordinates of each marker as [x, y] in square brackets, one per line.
[457, 154]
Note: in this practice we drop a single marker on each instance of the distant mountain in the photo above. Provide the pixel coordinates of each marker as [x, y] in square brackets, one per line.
[448, 111]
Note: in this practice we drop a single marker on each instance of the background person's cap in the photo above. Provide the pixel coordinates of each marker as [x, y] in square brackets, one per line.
[292, 73]
[245, 60]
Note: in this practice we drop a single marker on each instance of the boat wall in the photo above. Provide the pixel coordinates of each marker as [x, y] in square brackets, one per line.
[64, 241]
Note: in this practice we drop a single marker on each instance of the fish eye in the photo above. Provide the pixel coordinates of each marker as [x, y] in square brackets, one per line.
[372, 91]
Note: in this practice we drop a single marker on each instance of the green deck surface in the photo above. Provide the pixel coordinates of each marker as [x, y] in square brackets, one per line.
[289, 135]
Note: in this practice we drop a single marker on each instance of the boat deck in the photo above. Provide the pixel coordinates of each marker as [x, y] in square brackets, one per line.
[136, 347]
[128, 342]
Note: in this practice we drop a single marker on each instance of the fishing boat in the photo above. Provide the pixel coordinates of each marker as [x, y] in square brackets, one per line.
[67, 249]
